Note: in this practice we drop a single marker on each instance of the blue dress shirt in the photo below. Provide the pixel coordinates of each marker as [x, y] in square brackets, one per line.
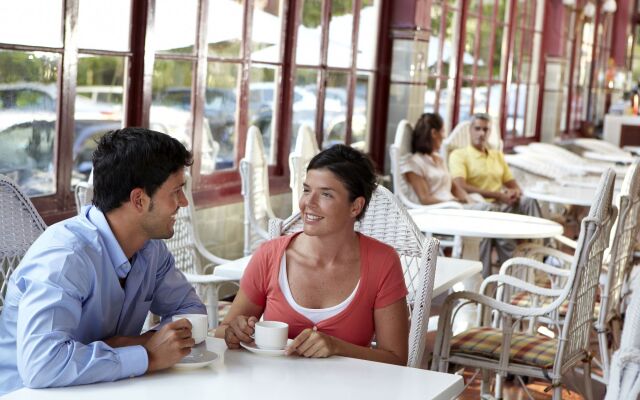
[65, 298]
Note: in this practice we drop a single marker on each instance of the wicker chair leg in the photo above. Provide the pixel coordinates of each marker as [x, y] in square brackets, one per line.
[499, 386]
[588, 389]
[212, 305]
[603, 345]
[485, 384]
[616, 332]
[557, 393]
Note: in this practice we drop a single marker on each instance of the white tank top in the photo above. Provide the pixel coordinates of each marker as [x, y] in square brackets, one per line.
[313, 314]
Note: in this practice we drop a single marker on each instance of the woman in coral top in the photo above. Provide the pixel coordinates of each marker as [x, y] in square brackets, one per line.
[335, 287]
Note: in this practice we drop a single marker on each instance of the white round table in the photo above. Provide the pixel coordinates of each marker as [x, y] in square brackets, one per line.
[570, 195]
[484, 224]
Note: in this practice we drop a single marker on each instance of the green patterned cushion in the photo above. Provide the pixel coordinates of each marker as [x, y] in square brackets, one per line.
[538, 351]
[525, 299]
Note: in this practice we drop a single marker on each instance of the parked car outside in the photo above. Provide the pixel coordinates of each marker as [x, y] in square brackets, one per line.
[27, 132]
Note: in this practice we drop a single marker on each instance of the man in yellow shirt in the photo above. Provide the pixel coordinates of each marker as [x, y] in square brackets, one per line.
[479, 169]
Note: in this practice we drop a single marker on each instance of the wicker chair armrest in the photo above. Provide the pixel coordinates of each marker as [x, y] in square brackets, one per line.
[520, 284]
[548, 251]
[534, 264]
[210, 257]
[566, 241]
[480, 299]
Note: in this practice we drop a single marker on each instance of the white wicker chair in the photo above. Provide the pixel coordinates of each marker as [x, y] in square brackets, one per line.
[460, 137]
[620, 256]
[83, 192]
[495, 347]
[388, 221]
[306, 148]
[255, 190]
[624, 379]
[617, 260]
[21, 226]
[188, 252]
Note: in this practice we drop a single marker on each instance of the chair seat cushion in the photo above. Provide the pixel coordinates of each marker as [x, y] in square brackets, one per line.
[537, 351]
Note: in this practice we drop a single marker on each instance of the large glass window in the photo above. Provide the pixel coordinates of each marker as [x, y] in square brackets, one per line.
[335, 70]
[202, 71]
[28, 114]
[481, 70]
[441, 56]
[45, 147]
[521, 101]
[602, 51]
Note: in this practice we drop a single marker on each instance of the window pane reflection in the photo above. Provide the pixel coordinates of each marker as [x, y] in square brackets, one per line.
[304, 101]
[104, 25]
[436, 98]
[263, 95]
[175, 26]
[335, 108]
[309, 33]
[340, 33]
[171, 104]
[362, 105]
[220, 110]
[28, 101]
[99, 107]
[31, 22]
[224, 33]
[464, 103]
[266, 30]
[368, 34]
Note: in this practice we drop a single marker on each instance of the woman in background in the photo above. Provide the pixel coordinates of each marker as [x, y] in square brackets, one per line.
[425, 171]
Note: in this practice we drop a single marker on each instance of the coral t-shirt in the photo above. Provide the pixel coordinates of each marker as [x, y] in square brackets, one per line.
[381, 284]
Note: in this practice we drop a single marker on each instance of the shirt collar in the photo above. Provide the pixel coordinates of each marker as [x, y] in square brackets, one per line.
[477, 152]
[119, 260]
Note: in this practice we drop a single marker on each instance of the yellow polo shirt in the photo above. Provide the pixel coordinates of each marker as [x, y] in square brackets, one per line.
[487, 171]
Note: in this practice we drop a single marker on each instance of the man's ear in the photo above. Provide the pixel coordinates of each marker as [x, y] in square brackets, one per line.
[137, 198]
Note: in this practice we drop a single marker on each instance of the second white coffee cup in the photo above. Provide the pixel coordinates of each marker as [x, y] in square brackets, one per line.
[198, 325]
[271, 335]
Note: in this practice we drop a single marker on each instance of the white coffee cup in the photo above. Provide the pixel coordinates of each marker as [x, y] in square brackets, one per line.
[199, 325]
[271, 335]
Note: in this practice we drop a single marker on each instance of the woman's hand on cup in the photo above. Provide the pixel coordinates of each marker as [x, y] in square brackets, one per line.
[312, 344]
[240, 329]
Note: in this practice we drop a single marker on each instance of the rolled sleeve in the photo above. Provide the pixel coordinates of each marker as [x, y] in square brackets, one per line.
[134, 361]
[457, 167]
[173, 293]
[255, 280]
[506, 171]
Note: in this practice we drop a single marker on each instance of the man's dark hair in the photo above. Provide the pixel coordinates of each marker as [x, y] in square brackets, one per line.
[421, 139]
[481, 116]
[354, 169]
[131, 158]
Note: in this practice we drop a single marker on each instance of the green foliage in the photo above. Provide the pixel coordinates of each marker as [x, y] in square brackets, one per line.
[100, 70]
[19, 66]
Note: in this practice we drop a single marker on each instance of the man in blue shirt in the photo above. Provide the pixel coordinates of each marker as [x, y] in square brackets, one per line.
[76, 304]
